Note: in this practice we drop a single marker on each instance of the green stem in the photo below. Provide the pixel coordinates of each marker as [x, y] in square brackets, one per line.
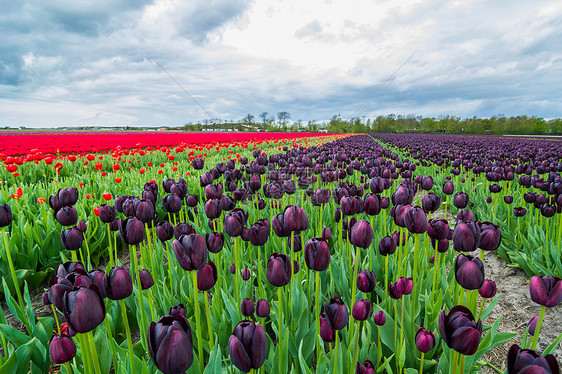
[280, 309]
[336, 354]
[93, 352]
[197, 319]
[317, 310]
[128, 332]
[111, 342]
[379, 347]
[86, 356]
[538, 329]
[354, 287]
[211, 337]
[111, 261]
[170, 277]
[421, 363]
[462, 364]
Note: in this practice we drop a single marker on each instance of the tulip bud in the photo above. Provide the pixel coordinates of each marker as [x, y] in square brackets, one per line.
[533, 325]
[362, 309]
[460, 200]
[490, 236]
[387, 245]
[317, 254]
[5, 215]
[394, 291]
[170, 344]
[207, 276]
[415, 220]
[247, 346]
[232, 269]
[460, 331]
[215, 241]
[83, 308]
[67, 216]
[425, 340]
[132, 231]
[164, 231]
[546, 290]
[262, 308]
[246, 274]
[379, 318]
[71, 239]
[469, 272]
[247, 307]
[361, 234]
[366, 367]
[146, 279]
[520, 361]
[190, 251]
[366, 281]
[61, 348]
[107, 213]
[326, 233]
[488, 289]
[448, 188]
[466, 236]
[327, 333]
[177, 310]
[405, 285]
[337, 314]
[278, 269]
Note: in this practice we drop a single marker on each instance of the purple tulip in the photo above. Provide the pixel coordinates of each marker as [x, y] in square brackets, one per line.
[533, 324]
[519, 211]
[466, 236]
[246, 274]
[438, 229]
[247, 307]
[366, 281]
[183, 228]
[469, 272]
[488, 289]
[259, 232]
[366, 367]
[387, 245]
[460, 331]
[490, 237]
[190, 251]
[431, 202]
[61, 348]
[405, 285]
[326, 233]
[528, 361]
[164, 231]
[71, 239]
[327, 333]
[394, 291]
[262, 308]
[234, 222]
[83, 308]
[119, 283]
[379, 318]
[171, 203]
[337, 314]
[546, 290]
[247, 346]
[177, 310]
[215, 241]
[278, 269]
[317, 254]
[132, 231]
[207, 276]
[146, 279]
[107, 213]
[362, 309]
[67, 216]
[465, 215]
[415, 220]
[361, 234]
[448, 188]
[425, 340]
[460, 200]
[170, 344]
[145, 210]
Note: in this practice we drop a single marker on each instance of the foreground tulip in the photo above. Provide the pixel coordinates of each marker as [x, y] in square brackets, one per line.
[262, 308]
[366, 281]
[438, 229]
[107, 213]
[490, 237]
[337, 314]
[361, 234]
[425, 340]
[170, 344]
[259, 232]
[146, 279]
[527, 361]
[67, 216]
[71, 239]
[61, 348]
[190, 251]
[317, 254]
[387, 245]
[469, 272]
[234, 222]
[207, 276]
[362, 309]
[119, 283]
[461, 200]
[460, 331]
[379, 318]
[164, 231]
[132, 231]
[415, 220]
[247, 346]
[327, 333]
[83, 308]
[546, 290]
[215, 241]
[466, 236]
[488, 289]
[448, 188]
[278, 269]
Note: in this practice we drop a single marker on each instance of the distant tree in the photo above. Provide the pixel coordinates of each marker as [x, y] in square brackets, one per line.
[249, 119]
[283, 118]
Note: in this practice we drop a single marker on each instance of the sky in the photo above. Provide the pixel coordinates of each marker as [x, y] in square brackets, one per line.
[121, 63]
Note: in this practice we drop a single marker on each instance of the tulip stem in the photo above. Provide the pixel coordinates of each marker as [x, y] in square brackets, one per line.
[197, 318]
[462, 363]
[538, 329]
[56, 318]
[111, 342]
[317, 299]
[87, 250]
[435, 269]
[356, 343]
[151, 303]
[354, 286]
[336, 354]
[211, 338]
[280, 310]
[421, 363]
[68, 368]
[15, 279]
[128, 332]
[93, 352]
[481, 308]
[397, 354]
[86, 356]
[379, 347]
[386, 273]
[170, 278]
[109, 248]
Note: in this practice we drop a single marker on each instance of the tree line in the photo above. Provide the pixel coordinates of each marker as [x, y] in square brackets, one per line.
[281, 122]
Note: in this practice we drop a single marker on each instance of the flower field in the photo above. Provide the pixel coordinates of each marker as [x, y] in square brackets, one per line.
[274, 253]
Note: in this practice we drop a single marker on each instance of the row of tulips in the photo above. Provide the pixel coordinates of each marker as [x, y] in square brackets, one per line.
[408, 312]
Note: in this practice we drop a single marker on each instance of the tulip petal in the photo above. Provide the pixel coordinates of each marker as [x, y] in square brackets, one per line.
[238, 354]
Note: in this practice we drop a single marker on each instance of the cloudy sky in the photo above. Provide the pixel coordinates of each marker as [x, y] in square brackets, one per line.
[83, 62]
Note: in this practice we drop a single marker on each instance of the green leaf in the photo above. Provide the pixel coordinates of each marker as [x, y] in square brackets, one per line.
[551, 347]
[103, 350]
[215, 361]
[305, 369]
[14, 336]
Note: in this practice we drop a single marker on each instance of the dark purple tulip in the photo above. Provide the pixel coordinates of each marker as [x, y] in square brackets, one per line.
[438, 229]
[546, 290]
[431, 202]
[247, 307]
[167, 184]
[262, 308]
[508, 199]
[246, 274]
[234, 222]
[67, 216]
[379, 318]
[213, 191]
[405, 285]
[81, 225]
[415, 220]
[466, 236]
[215, 241]
[206, 178]
[528, 361]
[247, 346]
[387, 245]
[372, 204]
[146, 279]
[448, 188]
[362, 309]
[191, 200]
[207, 276]
[425, 340]
[54, 202]
[394, 291]
[177, 310]
[191, 251]
[99, 278]
[317, 254]
[114, 226]
[107, 213]
[171, 203]
[327, 333]
[533, 324]
[164, 231]
[119, 283]
[337, 314]
[530, 197]
[519, 211]
[259, 232]
[278, 269]
[71, 239]
[170, 344]
[61, 348]
[5, 215]
[145, 210]
[326, 233]
[67, 196]
[294, 219]
[460, 200]
[490, 236]
[366, 367]
[469, 272]
[198, 163]
[149, 195]
[427, 183]
[183, 228]
[465, 215]
[366, 281]
[385, 202]
[296, 267]
[488, 289]
[376, 185]
[132, 231]
[347, 204]
[57, 289]
[548, 210]
[255, 182]
[83, 308]
[398, 212]
[232, 269]
[361, 234]
[69, 267]
[460, 331]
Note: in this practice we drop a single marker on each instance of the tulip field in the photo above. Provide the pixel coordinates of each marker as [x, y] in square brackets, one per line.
[132, 252]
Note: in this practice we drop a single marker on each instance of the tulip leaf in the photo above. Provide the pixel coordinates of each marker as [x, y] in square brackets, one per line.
[490, 307]
[103, 350]
[44, 329]
[305, 369]
[19, 362]
[232, 311]
[215, 361]
[553, 346]
[29, 308]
